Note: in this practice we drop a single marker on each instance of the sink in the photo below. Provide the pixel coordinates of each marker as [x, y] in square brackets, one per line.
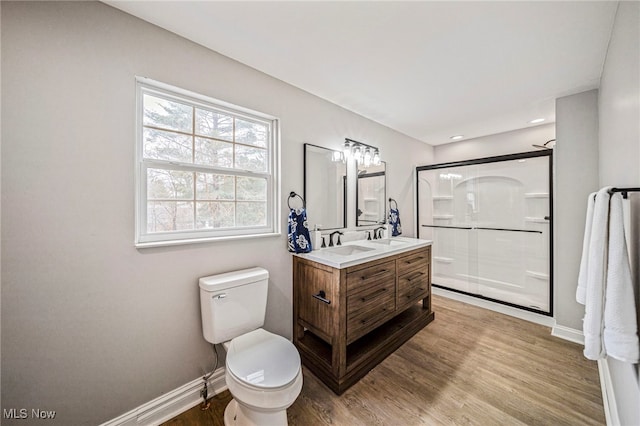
[356, 252]
[347, 250]
[388, 242]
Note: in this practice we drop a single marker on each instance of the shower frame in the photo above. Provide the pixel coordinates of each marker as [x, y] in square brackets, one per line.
[495, 159]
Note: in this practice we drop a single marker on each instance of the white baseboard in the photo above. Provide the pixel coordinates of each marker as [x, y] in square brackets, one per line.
[608, 396]
[497, 307]
[172, 403]
[566, 333]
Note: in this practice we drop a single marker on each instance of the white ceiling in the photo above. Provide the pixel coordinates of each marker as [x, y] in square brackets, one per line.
[430, 70]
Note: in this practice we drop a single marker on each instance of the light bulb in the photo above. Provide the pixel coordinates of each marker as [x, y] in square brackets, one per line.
[357, 153]
[376, 158]
[346, 150]
[336, 156]
[367, 157]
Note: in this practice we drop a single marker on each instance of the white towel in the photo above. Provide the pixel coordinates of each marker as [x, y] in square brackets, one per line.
[620, 328]
[586, 243]
[596, 276]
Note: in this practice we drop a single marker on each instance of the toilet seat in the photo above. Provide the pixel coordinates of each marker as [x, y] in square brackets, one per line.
[263, 360]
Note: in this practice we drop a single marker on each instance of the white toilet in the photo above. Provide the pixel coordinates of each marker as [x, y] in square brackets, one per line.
[262, 369]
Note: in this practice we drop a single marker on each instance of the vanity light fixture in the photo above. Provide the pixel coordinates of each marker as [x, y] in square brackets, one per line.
[369, 155]
[536, 121]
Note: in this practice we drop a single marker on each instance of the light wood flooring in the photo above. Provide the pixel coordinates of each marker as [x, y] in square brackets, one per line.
[470, 366]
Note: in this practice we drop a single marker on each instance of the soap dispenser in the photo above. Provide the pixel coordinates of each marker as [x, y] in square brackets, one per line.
[316, 238]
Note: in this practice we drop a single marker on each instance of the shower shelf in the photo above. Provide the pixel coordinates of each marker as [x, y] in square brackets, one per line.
[442, 197]
[536, 219]
[536, 195]
[443, 259]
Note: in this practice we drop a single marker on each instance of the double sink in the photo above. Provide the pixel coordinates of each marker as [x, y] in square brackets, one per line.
[355, 252]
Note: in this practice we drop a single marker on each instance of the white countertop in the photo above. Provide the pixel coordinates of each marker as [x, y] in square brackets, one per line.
[363, 251]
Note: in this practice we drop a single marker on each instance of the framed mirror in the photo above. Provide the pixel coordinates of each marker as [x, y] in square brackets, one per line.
[371, 195]
[325, 187]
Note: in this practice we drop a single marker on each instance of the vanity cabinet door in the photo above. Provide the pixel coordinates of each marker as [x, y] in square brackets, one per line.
[313, 311]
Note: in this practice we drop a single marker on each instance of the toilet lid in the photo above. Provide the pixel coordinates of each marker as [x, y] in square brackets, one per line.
[263, 359]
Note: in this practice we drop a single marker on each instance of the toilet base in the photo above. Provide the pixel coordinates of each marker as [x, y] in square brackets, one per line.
[239, 415]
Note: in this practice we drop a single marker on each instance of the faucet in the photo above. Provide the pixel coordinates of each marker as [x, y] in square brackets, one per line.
[331, 238]
[377, 233]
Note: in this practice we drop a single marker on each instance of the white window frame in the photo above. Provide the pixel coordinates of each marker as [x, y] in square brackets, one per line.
[272, 175]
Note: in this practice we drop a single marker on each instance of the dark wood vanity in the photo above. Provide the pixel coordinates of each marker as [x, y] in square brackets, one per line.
[346, 321]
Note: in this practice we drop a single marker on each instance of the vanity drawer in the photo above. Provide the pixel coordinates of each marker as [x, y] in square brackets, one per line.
[371, 296]
[370, 316]
[412, 287]
[368, 277]
[414, 261]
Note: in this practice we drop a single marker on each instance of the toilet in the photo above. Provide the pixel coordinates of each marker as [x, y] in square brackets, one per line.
[263, 370]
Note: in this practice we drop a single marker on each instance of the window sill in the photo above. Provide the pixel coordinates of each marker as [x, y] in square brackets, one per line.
[152, 244]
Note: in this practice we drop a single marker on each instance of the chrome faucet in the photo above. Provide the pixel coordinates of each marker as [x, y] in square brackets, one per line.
[331, 238]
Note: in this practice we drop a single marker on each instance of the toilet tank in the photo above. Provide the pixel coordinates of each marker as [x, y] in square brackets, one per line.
[233, 303]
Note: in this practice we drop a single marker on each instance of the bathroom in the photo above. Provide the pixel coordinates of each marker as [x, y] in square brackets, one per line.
[94, 327]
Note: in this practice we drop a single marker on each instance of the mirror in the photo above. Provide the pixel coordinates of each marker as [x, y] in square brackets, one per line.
[371, 208]
[325, 187]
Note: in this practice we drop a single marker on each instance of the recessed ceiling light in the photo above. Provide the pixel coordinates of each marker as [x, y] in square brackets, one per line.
[536, 121]
[456, 137]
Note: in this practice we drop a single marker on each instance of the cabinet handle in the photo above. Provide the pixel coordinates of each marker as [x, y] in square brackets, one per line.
[365, 277]
[409, 262]
[413, 277]
[322, 296]
[373, 295]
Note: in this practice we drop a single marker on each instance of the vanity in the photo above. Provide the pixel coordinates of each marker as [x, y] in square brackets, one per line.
[355, 304]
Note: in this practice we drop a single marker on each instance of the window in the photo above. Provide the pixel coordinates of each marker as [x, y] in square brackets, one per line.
[206, 169]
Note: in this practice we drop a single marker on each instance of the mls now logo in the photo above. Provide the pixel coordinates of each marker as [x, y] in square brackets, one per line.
[23, 413]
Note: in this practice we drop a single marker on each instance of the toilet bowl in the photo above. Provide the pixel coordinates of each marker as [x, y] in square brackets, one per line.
[264, 377]
[263, 370]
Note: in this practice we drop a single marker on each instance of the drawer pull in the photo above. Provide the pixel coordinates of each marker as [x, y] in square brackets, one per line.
[322, 296]
[365, 277]
[373, 295]
[409, 262]
[413, 277]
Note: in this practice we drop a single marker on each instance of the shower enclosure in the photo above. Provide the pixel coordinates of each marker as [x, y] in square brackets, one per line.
[491, 227]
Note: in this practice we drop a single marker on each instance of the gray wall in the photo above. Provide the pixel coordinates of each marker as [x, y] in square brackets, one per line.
[576, 176]
[620, 164]
[92, 327]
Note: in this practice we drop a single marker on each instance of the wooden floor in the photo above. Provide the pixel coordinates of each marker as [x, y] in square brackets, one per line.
[470, 366]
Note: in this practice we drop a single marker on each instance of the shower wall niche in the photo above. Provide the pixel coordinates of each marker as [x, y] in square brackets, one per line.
[490, 222]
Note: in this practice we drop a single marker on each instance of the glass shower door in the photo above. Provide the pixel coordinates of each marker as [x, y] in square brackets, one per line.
[490, 225]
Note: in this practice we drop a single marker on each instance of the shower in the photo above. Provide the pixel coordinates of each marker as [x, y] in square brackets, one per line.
[545, 145]
[490, 223]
